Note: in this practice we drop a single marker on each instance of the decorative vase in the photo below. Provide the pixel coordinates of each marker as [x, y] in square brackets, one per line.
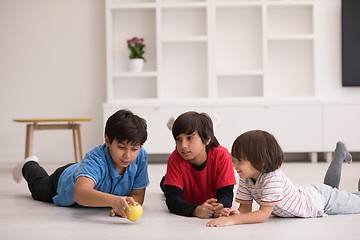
[136, 65]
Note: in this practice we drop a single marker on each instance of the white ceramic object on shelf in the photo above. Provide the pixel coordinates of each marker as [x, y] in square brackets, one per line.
[136, 65]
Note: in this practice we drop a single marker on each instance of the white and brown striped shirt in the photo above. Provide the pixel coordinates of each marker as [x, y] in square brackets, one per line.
[274, 188]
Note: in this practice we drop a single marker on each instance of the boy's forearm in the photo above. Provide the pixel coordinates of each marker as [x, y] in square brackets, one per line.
[258, 216]
[93, 198]
[86, 195]
[175, 203]
[225, 195]
[138, 195]
[138, 199]
[252, 217]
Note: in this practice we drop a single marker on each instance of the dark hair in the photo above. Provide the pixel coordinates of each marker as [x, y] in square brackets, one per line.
[260, 148]
[126, 126]
[189, 122]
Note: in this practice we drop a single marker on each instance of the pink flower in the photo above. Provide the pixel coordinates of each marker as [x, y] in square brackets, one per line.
[136, 47]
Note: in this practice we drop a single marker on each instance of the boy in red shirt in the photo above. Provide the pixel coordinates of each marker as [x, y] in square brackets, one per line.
[200, 179]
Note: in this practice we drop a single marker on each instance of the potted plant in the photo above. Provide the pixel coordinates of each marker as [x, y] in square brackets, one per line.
[136, 47]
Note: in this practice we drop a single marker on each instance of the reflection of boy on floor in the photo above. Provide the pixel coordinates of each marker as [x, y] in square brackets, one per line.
[111, 175]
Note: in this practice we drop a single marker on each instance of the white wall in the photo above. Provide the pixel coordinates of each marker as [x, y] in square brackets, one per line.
[328, 51]
[52, 65]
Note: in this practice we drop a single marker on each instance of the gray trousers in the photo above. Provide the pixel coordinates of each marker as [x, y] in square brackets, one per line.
[336, 201]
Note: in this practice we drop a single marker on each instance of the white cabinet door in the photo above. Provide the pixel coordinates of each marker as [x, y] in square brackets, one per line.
[297, 128]
[342, 123]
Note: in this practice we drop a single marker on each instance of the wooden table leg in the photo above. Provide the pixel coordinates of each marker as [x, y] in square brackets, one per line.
[29, 140]
[76, 143]
[81, 146]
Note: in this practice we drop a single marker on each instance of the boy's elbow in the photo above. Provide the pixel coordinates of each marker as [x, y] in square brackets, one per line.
[264, 213]
[264, 219]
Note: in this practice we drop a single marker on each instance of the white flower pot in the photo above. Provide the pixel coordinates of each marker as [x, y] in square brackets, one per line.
[136, 65]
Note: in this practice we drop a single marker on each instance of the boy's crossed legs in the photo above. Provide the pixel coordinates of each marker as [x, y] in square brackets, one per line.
[333, 174]
[336, 201]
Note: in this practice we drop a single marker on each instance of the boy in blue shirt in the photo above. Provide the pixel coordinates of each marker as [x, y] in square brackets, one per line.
[111, 175]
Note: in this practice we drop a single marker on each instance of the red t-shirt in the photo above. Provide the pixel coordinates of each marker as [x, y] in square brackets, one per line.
[199, 186]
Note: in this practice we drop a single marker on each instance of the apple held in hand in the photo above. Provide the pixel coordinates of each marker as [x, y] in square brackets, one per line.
[135, 213]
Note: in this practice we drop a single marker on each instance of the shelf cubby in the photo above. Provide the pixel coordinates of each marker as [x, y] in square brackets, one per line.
[185, 70]
[142, 25]
[290, 69]
[179, 22]
[239, 86]
[238, 46]
[290, 19]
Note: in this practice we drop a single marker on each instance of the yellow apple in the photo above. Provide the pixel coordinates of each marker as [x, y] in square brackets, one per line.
[135, 213]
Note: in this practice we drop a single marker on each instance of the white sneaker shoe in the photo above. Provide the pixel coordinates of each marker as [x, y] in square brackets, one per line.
[17, 170]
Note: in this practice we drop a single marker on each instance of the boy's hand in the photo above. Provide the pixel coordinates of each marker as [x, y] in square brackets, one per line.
[219, 209]
[233, 211]
[120, 205]
[221, 222]
[224, 219]
[206, 210]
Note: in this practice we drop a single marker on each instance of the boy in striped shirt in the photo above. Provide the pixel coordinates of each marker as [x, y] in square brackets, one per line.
[258, 158]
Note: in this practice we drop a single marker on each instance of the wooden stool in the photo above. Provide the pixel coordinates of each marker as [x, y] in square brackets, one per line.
[75, 127]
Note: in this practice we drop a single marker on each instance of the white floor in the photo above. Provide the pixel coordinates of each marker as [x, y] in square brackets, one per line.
[23, 218]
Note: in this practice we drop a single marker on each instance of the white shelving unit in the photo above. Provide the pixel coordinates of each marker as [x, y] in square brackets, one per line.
[212, 49]
[249, 61]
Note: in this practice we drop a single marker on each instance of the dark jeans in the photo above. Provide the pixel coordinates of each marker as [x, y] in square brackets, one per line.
[42, 186]
[162, 184]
